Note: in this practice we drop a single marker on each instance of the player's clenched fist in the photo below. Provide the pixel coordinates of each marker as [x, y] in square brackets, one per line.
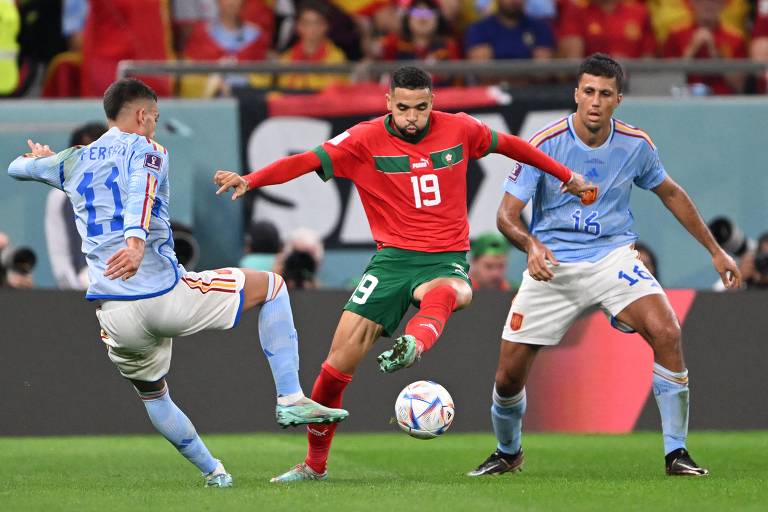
[538, 256]
[230, 180]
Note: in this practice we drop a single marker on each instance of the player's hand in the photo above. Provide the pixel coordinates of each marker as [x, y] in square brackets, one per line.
[579, 186]
[230, 180]
[38, 150]
[727, 268]
[538, 256]
[125, 263]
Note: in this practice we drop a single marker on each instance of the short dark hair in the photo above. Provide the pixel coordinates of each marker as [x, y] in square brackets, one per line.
[87, 133]
[600, 64]
[123, 92]
[410, 77]
[316, 6]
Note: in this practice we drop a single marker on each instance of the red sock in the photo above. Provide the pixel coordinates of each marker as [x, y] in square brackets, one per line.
[327, 391]
[436, 308]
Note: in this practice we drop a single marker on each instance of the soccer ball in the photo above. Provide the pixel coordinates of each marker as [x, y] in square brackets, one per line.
[424, 409]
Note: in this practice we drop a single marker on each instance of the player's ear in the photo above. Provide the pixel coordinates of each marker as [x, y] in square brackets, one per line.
[389, 101]
[619, 97]
[575, 95]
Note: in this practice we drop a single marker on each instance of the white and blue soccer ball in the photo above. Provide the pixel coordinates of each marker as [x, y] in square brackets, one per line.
[424, 409]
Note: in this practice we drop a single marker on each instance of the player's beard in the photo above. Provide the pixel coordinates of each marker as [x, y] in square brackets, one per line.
[410, 136]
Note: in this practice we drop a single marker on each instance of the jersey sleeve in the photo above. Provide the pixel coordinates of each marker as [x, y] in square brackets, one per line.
[49, 170]
[652, 172]
[340, 155]
[148, 169]
[522, 181]
[482, 139]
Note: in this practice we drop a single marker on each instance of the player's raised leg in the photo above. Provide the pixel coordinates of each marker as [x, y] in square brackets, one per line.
[653, 317]
[353, 339]
[509, 403]
[176, 427]
[439, 298]
[280, 344]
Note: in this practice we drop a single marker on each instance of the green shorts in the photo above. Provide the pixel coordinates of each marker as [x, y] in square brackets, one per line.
[386, 288]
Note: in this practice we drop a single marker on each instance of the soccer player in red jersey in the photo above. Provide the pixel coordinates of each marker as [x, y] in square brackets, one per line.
[410, 169]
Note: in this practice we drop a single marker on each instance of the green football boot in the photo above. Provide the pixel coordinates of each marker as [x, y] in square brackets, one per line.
[299, 473]
[404, 353]
[305, 412]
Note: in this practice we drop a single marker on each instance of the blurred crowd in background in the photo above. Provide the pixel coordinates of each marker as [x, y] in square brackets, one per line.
[71, 48]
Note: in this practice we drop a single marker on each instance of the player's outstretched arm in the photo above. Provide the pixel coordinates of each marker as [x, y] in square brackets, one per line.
[275, 173]
[40, 164]
[522, 151]
[680, 204]
[509, 222]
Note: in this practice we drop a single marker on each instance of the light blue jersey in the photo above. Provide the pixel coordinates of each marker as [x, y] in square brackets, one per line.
[118, 186]
[571, 230]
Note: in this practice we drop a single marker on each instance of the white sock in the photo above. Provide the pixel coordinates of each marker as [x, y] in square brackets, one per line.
[289, 399]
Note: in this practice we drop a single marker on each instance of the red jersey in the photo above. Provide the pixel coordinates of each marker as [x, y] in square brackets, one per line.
[729, 43]
[414, 192]
[623, 32]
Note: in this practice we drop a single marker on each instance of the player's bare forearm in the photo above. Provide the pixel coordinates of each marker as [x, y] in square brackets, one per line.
[540, 257]
[680, 204]
[511, 225]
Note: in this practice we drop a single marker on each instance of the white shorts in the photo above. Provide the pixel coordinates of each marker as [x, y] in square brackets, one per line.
[542, 311]
[139, 333]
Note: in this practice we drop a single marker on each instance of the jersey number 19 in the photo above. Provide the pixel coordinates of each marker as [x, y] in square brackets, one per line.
[423, 185]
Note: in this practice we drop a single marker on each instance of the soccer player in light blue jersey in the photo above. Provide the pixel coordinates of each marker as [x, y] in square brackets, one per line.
[119, 188]
[581, 254]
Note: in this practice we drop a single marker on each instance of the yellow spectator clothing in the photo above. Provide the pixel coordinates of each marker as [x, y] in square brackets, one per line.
[670, 15]
[329, 53]
[9, 47]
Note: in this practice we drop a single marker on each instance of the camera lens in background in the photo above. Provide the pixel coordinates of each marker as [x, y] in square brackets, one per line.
[761, 263]
[22, 260]
[185, 245]
[729, 236]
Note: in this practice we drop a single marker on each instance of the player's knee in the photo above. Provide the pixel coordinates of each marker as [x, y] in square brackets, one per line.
[666, 337]
[508, 383]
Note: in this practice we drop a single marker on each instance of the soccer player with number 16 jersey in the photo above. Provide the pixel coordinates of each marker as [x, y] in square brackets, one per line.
[583, 255]
[410, 170]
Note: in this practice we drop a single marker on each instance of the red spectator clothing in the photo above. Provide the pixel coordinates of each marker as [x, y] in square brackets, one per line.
[760, 28]
[623, 32]
[396, 48]
[202, 45]
[260, 12]
[124, 29]
[730, 44]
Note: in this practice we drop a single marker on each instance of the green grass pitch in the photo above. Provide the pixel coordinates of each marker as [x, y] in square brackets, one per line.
[388, 472]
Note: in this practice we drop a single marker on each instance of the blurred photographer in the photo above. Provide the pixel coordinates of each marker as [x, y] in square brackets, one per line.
[16, 265]
[733, 240]
[300, 259]
[754, 265]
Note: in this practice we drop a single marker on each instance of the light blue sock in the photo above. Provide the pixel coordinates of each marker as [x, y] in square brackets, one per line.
[171, 422]
[671, 392]
[507, 418]
[278, 337]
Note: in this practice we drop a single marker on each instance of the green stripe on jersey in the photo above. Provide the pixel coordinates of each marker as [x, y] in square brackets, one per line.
[392, 164]
[494, 142]
[326, 172]
[447, 157]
